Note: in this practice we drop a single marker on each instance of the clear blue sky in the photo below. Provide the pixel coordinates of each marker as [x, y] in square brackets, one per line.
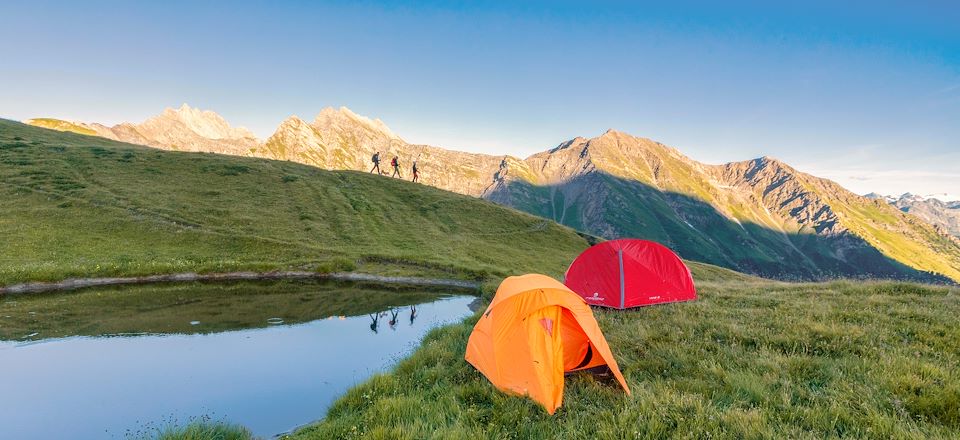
[867, 93]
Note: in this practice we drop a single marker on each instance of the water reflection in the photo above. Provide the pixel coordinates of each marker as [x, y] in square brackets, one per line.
[376, 319]
[196, 308]
[393, 318]
[238, 361]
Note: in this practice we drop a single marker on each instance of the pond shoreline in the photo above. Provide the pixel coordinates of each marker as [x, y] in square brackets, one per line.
[79, 283]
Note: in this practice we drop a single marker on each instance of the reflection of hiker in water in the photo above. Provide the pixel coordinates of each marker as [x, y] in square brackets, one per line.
[395, 163]
[416, 172]
[393, 318]
[376, 162]
[413, 314]
[374, 321]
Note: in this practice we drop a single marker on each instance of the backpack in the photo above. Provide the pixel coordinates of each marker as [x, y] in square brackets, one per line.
[393, 162]
[375, 158]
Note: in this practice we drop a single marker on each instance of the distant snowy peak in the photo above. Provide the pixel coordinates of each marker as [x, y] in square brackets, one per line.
[878, 196]
[943, 197]
[910, 197]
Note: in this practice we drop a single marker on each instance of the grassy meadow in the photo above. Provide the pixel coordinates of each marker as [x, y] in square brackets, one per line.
[749, 359]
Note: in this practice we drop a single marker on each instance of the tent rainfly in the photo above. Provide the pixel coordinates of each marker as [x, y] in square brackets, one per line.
[534, 331]
[630, 273]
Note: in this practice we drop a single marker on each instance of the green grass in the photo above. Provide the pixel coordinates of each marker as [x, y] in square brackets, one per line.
[749, 359]
[203, 428]
[79, 206]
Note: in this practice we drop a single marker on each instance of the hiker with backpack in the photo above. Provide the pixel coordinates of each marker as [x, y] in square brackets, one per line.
[376, 162]
[396, 167]
[416, 172]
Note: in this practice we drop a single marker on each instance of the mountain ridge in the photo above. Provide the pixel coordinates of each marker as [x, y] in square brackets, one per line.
[759, 216]
[181, 129]
[944, 214]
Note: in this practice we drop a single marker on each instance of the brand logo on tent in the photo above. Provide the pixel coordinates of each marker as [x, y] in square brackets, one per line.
[547, 324]
[596, 297]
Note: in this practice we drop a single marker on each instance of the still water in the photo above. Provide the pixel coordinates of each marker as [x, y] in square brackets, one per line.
[268, 356]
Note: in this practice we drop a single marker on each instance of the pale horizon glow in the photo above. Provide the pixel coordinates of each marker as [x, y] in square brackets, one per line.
[865, 94]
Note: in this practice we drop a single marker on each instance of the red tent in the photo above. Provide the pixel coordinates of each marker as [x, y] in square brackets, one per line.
[630, 273]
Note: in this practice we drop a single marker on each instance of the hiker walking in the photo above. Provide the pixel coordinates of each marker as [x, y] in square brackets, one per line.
[395, 162]
[376, 162]
[416, 172]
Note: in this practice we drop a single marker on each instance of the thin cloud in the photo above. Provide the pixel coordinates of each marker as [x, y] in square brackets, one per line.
[896, 174]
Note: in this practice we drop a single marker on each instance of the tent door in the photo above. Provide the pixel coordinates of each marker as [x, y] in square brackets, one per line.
[544, 334]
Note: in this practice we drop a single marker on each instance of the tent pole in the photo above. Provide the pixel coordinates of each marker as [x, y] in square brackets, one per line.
[622, 287]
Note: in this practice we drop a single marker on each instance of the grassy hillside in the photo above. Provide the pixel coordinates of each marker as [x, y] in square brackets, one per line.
[79, 205]
[748, 359]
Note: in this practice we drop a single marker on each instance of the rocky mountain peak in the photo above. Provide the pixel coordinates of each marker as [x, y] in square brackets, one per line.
[292, 121]
[768, 161]
[204, 123]
[344, 119]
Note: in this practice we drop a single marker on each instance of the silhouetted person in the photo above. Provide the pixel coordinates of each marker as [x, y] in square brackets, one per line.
[395, 163]
[376, 162]
[393, 318]
[416, 172]
[413, 314]
[374, 318]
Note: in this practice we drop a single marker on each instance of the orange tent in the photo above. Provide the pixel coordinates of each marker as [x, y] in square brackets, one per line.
[534, 331]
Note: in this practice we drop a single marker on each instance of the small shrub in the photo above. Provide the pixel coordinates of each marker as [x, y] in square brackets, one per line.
[226, 170]
[101, 152]
[337, 265]
[18, 162]
[13, 146]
